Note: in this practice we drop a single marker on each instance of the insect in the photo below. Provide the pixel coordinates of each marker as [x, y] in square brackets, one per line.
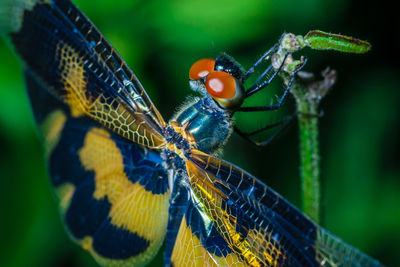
[126, 180]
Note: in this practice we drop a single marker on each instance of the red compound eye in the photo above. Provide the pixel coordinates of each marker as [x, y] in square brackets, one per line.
[221, 84]
[201, 68]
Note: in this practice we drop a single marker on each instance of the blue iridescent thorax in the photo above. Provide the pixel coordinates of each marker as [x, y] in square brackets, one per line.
[206, 122]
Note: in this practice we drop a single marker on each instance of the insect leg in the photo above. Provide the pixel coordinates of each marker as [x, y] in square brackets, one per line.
[283, 123]
[277, 105]
[257, 86]
[263, 57]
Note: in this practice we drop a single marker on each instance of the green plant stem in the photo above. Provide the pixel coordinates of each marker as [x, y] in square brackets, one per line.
[309, 159]
[308, 93]
[309, 149]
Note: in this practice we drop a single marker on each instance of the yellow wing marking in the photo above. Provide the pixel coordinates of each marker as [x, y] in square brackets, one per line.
[72, 75]
[258, 248]
[64, 193]
[114, 114]
[132, 207]
[51, 129]
[139, 260]
[188, 251]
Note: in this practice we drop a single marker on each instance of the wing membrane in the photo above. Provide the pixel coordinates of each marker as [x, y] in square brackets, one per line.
[71, 58]
[113, 193]
[190, 240]
[260, 226]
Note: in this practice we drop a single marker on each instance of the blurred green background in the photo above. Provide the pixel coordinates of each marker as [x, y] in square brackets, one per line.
[160, 40]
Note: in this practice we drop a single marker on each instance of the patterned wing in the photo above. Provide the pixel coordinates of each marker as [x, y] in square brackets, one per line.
[113, 193]
[231, 218]
[70, 57]
[191, 239]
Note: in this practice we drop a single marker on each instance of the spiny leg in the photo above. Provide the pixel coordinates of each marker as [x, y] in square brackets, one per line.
[263, 57]
[284, 123]
[257, 87]
[281, 99]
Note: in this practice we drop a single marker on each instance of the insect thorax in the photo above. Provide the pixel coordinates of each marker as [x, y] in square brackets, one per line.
[205, 123]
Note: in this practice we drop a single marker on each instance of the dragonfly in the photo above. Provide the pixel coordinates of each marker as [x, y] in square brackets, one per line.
[126, 180]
